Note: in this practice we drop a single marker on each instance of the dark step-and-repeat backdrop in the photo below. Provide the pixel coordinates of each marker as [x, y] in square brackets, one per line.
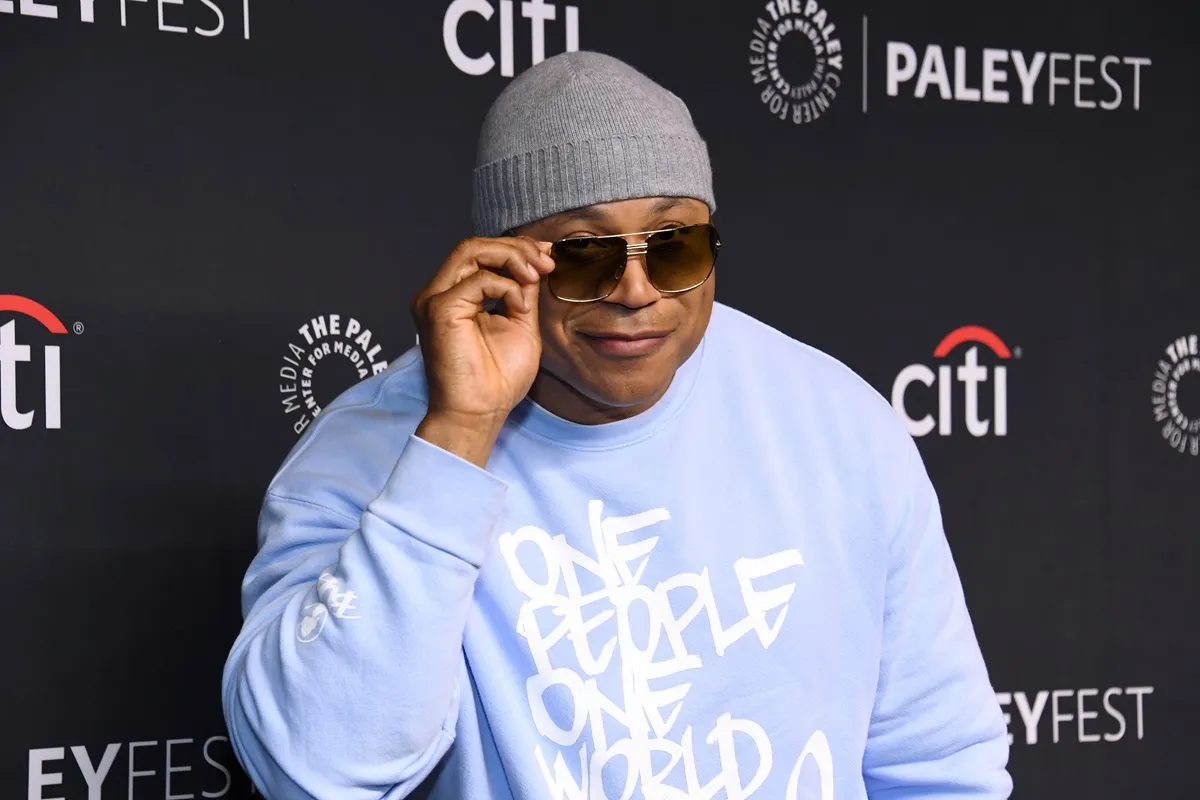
[213, 214]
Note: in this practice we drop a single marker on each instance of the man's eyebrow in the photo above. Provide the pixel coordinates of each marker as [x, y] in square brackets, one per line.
[667, 204]
[586, 214]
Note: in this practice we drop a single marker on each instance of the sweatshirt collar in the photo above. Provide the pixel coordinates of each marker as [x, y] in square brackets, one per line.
[533, 419]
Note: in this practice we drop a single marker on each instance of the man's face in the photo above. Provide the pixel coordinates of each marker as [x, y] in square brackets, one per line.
[622, 352]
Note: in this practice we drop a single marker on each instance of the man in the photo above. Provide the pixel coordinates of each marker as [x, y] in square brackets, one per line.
[607, 538]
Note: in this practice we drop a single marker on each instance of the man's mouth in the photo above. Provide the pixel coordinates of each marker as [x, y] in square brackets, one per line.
[625, 344]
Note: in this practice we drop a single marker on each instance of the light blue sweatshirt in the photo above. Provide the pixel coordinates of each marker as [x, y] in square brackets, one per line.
[745, 591]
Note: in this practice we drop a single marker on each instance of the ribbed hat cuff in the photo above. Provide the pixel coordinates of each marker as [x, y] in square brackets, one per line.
[515, 191]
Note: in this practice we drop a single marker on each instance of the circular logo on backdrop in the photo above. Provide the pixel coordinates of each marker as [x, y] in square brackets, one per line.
[796, 60]
[329, 354]
[1176, 394]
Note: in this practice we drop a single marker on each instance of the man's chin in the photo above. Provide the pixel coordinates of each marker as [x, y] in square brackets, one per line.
[614, 385]
[630, 392]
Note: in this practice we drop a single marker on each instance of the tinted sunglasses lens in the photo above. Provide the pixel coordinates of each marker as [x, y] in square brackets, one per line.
[586, 268]
[681, 259]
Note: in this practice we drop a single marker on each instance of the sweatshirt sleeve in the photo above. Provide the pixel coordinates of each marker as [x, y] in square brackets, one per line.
[936, 730]
[344, 681]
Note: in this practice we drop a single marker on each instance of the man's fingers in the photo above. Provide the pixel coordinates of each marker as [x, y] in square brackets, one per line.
[494, 254]
[539, 252]
[520, 258]
[466, 299]
[530, 313]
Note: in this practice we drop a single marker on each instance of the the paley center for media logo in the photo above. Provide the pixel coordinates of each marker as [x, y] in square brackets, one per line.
[1178, 412]
[802, 65]
[328, 354]
[801, 94]
[30, 374]
[926, 396]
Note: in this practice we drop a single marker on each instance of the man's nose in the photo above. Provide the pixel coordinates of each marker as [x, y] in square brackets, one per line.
[634, 290]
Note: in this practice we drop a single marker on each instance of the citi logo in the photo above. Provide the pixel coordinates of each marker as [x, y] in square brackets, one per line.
[12, 354]
[970, 373]
[538, 12]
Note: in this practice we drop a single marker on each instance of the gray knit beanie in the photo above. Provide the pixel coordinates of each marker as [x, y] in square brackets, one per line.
[579, 129]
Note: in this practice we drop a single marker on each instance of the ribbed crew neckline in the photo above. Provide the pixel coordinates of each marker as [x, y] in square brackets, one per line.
[533, 419]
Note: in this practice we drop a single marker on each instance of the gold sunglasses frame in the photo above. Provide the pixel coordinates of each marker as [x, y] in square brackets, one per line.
[640, 248]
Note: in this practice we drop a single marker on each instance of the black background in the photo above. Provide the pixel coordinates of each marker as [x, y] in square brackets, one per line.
[190, 202]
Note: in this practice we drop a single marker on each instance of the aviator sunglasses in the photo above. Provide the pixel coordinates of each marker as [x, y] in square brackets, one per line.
[588, 268]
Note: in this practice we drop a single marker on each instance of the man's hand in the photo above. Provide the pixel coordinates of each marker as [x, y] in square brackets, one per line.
[479, 365]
